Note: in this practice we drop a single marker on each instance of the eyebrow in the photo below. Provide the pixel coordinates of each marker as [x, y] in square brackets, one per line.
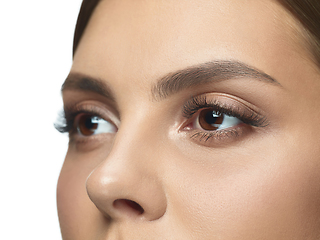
[214, 71]
[175, 82]
[78, 81]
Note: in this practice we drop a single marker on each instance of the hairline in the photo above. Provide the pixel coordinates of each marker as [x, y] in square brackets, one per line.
[301, 30]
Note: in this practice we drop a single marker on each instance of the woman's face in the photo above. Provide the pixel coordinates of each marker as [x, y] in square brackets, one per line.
[196, 120]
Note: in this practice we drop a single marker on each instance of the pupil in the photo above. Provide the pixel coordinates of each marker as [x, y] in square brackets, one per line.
[211, 117]
[210, 120]
[88, 123]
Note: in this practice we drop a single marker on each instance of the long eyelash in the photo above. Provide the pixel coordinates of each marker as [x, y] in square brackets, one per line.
[246, 116]
[61, 124]
[65, 121]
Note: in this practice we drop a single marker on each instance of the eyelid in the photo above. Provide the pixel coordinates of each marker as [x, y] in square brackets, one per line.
[88, 107]
[251, 118]
[224, 103]
[95, 108]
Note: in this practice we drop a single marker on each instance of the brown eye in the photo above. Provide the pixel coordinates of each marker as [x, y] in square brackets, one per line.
[211, 120]
[88, 125]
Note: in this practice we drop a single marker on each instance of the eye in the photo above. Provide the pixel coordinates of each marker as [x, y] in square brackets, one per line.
[88, 124]
[211, 120]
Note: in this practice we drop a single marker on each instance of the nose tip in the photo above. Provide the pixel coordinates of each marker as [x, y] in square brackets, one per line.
[124, 193]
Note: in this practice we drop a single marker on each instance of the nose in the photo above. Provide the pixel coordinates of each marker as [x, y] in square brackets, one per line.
[126, 186]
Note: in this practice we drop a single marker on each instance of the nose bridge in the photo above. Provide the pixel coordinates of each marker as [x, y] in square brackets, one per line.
[126, 184]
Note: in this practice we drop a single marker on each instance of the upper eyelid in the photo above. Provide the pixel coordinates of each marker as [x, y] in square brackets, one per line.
[71, 113]
[216, 100]
[235, 109]
[221, 100]
[65, 123]
[200, 102]
[94, 107]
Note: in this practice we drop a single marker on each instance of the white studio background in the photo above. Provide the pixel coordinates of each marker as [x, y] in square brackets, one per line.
[35, 56]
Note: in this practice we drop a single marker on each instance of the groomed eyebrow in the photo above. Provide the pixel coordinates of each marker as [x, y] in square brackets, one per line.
[77, 81]
[214, 71]
[175, 82]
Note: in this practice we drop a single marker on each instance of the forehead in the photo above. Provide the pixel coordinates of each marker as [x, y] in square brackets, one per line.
[142, 40]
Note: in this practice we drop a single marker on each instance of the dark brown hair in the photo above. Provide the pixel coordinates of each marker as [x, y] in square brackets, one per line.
[307, 12]
[85, 13]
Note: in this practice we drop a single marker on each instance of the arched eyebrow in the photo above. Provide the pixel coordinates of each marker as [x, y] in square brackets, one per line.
[214, 71]
[175, 82]
[82, 82]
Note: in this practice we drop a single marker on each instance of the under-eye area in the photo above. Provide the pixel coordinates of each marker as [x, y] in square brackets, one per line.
[193, 120]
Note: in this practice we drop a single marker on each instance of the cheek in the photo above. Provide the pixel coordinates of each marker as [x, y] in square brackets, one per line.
[78, 216]
[249, 197]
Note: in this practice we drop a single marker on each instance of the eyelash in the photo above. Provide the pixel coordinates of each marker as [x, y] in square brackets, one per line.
[66, 119]
[190, 111]
[194, 106]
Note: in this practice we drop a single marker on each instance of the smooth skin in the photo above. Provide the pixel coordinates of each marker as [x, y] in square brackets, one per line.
[152, 178]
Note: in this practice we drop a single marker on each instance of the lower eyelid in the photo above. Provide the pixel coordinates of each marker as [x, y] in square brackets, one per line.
[220, 137]
[90, 142]
[239, 129]
[95, 109]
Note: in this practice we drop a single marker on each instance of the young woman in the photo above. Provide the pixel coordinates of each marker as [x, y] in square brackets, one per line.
[193, 120]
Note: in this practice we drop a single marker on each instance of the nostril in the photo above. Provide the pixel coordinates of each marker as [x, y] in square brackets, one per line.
[126, 204]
